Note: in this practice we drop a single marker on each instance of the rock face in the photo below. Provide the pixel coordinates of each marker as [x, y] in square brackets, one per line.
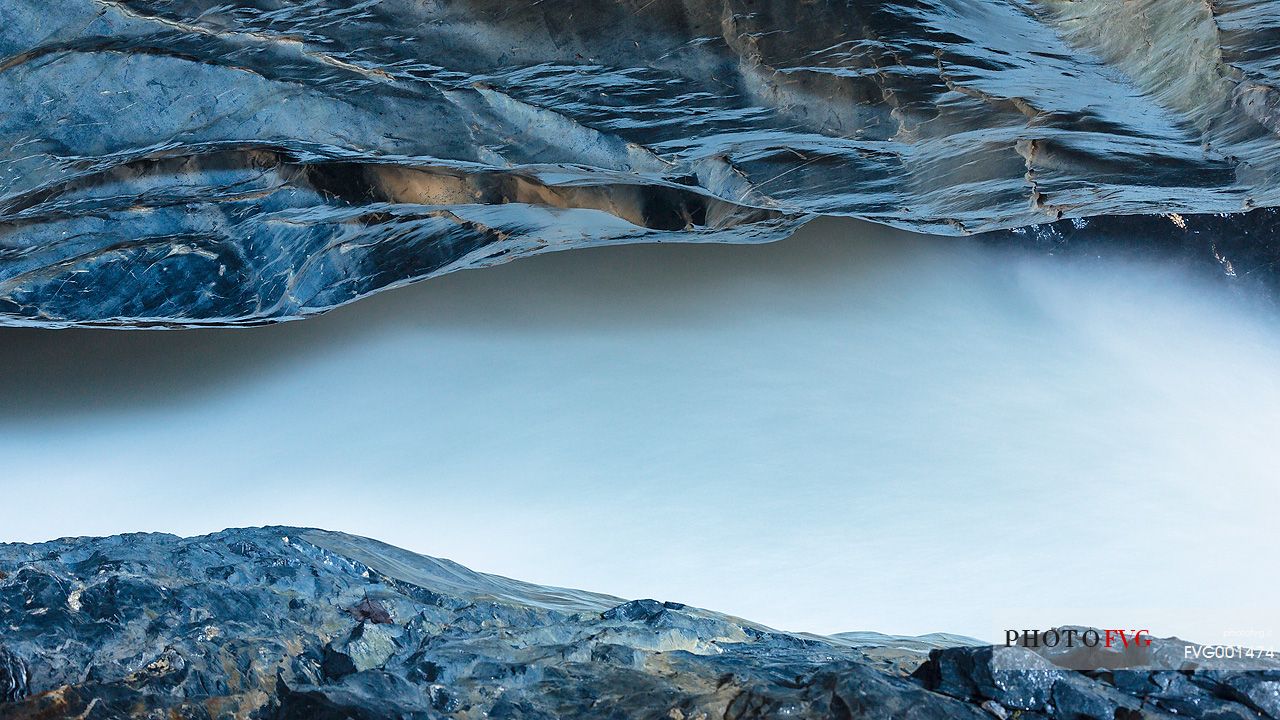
[286, 623]
[206, 162]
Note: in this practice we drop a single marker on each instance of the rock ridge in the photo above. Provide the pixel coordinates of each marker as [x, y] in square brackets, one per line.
[288, 623]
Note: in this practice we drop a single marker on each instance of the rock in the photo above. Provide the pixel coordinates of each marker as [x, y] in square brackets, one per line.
[1259, 691]
[213, 162]
[1240, 249]
[1025, 681]
[1080, 698]
[1014, 677]
[299, 629]
[297, 624]
[1174, 692]
[373, 611]
[369, 646]
[995, 709]
[15, 677]
[641, 610]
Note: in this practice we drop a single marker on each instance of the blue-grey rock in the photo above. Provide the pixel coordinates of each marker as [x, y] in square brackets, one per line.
[294, 624]
[1176, 693]
[212, 162]
[1014, 677]
[14, 677]
[1104, 684]
[1258, 690]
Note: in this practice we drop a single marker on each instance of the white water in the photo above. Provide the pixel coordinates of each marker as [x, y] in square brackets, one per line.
[853, 429]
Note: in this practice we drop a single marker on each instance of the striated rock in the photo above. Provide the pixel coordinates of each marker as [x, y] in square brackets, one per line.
[210, 162]
[294, 624]
[15, 678]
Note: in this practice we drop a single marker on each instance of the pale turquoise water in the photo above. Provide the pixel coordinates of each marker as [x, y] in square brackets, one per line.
[853, 429]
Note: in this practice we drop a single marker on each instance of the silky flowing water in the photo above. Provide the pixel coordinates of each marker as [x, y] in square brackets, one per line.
[856, 428]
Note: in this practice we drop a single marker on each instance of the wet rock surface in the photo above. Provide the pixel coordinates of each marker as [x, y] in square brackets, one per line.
[277, 623]
[202, 162]
[1242, 251]
[1140, 681]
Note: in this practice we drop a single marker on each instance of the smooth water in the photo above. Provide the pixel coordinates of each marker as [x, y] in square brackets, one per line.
[853, 429]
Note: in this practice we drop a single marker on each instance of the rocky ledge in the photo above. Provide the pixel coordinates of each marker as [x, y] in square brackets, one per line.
[289, 623]
[217, 162]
